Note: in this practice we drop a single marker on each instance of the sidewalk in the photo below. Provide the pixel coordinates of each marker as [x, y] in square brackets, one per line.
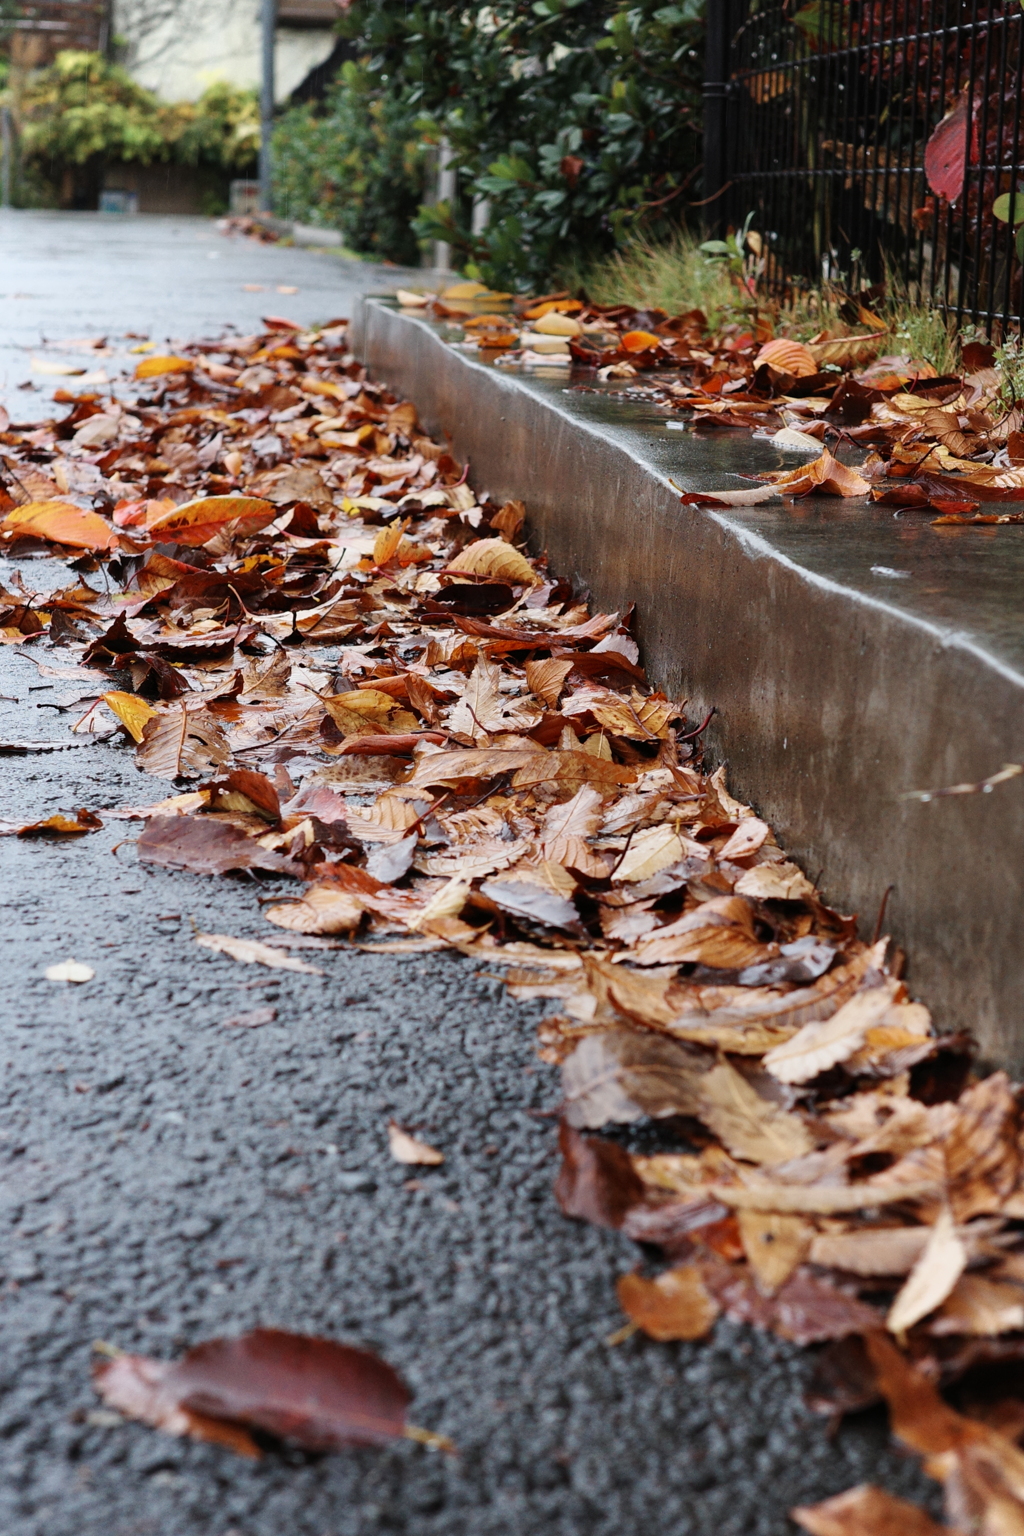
[67, 276]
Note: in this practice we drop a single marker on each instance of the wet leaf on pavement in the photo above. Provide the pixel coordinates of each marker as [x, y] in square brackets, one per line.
[310, 1391]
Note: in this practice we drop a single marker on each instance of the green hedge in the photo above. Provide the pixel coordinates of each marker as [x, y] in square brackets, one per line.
[82, 109]
[578, 120]
[356, 164]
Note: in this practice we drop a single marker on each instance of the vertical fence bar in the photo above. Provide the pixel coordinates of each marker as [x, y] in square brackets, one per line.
[904, 157]
[872, 146]
[997, 176]
[269, 38]
[975, 289]
[716, 73]
[929, 124]
[1014, 167]
[915, 234]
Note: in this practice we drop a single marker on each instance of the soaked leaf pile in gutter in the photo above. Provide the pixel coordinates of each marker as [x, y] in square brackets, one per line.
[948, 447]
[288, 602]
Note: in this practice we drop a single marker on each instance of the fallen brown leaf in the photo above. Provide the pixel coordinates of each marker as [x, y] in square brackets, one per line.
[674, 1305]
[311, 1391]
[825, 474]
[597, 1181]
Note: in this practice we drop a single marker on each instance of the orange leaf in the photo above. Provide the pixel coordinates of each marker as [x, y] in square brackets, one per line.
[62, 522]
[388, 542]
[640, 341]
[790, 357]
[195, 522]
[825, 474]
[553, 306]
[674, 1305]
[153, 367]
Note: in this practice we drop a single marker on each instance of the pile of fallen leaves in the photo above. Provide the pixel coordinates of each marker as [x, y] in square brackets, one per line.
[290, 604]
[945, 446]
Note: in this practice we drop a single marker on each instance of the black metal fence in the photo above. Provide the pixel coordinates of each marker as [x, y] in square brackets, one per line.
[875, 139]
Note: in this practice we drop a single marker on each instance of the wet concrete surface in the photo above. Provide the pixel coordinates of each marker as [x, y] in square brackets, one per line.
[851, 655]
[67, 277]
[168, 1177]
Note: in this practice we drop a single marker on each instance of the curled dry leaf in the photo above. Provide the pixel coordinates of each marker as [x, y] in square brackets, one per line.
[871, 1250]
[53, 826]
[408, 1149]
[978, 1305]
[942, 1262]
[821, 1199]
[249, 952]
[674, 1305]
[719, 934]
[821, 1045]
[495, 558]
[805, 1309]
[618, 1076]
[825, 475]
[774, 882]
[547, 678]
[649, 852]
[747, 839]
[786, 356]
[982, 1150]
[749, 1126]
[311, 1391]
[322, 909]
[182, 743]
[866, 1511]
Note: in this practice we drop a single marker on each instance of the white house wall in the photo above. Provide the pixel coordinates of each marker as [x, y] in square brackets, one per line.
[178, 48]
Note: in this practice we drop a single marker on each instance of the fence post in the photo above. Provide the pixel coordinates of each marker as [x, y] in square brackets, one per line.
[716, 77]
[6, 156]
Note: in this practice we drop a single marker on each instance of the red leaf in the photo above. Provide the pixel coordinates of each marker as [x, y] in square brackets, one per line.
[945, 156]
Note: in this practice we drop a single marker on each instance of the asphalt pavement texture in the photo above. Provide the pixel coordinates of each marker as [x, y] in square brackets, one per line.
[169, 1176]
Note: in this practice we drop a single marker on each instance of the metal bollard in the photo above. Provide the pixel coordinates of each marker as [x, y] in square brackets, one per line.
[6, 156]
[447, 186]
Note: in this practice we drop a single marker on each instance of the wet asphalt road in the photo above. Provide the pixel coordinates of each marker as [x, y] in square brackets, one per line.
[168, 1176]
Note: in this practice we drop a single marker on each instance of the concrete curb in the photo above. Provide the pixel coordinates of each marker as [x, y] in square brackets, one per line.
[831, 701]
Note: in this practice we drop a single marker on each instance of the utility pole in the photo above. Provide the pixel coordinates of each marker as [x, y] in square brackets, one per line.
[267, 104]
